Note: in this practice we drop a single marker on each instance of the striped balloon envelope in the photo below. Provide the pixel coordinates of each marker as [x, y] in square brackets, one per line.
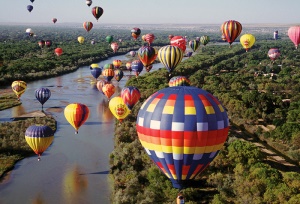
[204, 39]
[42, 95]
[76, 114]
[194, 44]
[170, 56]
[117, 63]
[179, 81]
[108, 74]
[231, 30]
[19, 87]
[39, 138]
[182, 129]
[130, 95]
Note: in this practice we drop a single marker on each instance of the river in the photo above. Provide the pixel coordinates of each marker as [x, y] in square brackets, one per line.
[74, 169]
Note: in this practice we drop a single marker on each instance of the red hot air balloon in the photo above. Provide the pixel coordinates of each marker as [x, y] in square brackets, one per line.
[294, 35]
[87, 26]
[58, 51]
[114, 46]
[54, 20]
[231, 30]
[48, 43]
[149, 38]
[273, 53]
[41, 43]
[182, 129]
[97, 12]
[179, 41]
[130, 95]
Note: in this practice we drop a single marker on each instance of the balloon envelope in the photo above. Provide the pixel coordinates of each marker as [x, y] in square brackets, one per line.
[80, 39]
[87, 26]
[114, 46]
[96, 72]
[118, 108]
[247, 41]
[42, 95]
[179, 81]
[130, 95]
[182, 129]
[19, 87]
[294, 35]
[29, 8]
[76, 114]
[170, 56]
[108, 90]
[58, 51]
[137, 66]
[231, 30]
[204, 39]
[108, 74]
[117, 63]
[194, 44]
[274, 53]
[97, 12]
[179, 41]
[118, 74]
[147, 55]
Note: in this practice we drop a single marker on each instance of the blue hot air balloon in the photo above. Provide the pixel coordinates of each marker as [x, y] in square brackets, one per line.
[42, 95]
[96, 72]
[29, 8]
[137, 66]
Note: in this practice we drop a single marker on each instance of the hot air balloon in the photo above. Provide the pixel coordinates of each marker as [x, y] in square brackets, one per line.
[147, 55]
[87, 26]
[80, 39]
[109, 38]
[100, 85]
[93, 42]
[182, 129]
[135, 32]
[76, 114]
[188, 54]
[29, 8]
[39, 138]
[149, 38]
[88, 2]
[96, 72]
[29, 32]
[41, 43]
[132, 53]
[114, 46]
[108, 90]
[54, 20]
[247, 41]
[31, 1]
[231, 30]
[118, 74]
[137, 66]
[42, 95]
[294, 35]
[274, 53]
[170, 37]
[179, 41]
[108, 74]
[179, 81]
[19, 87]
[170, 56]
[94, 65]
[130, 95]
[198, 38]
[118, 108]
[58, 51]
[204, 39]
[194, 44]
[117, 63]
[48, 43]
[275, 36]
[97, 12]
[108, 66]
[128, 66]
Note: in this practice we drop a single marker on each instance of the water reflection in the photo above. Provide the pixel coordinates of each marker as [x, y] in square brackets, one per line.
[17, 111]
[103, 111]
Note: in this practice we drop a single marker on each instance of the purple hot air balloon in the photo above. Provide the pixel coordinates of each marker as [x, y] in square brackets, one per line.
[137, 66]
[96, 72]
[42, 95]
[29, 8]
[273, 53]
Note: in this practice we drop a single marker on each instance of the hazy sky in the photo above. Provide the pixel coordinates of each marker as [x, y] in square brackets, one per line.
[154, 11]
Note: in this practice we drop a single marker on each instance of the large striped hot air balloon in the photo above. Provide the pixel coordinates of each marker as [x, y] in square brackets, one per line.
[87, 26]
[76, 114]
[130, 95]
[42, 95]
[170, 56]
[247, 41]
[108, 74]
[194, 44]
[39, 138]
[294, 35]
[147, 55]
[19, 87]
[97, 12]
[182, 129]
[118, 108]
[231, 30]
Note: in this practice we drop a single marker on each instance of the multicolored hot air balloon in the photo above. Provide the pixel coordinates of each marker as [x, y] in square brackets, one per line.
[275, 35]
[247, 41]
[29, 8]
[149, 38]
[147, 55]
[179, 41]
[117, 63]
[135, 32]
[273, 53]
[76, 114]
[170, 56]
[39, 138]
[19, 87]
[132, 53]
[294, 35]
[100, 85]
[80, 39]
[88, 2]
[130, 95]
[87, 26]
[118, 74]
[118, 108]
[108, 74]
[58, 51]
[231, 30]
[137, 66]
[108, 90]
[54, 20]
[114, 46]
[182, 129]
[97, 12]
[42, 95]
[194, 44]
[204, 39]
[179, 81]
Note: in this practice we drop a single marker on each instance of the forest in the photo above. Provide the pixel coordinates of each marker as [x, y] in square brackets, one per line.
[261, 97]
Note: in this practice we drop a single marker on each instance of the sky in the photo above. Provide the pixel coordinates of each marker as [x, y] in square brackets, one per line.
[153, 11]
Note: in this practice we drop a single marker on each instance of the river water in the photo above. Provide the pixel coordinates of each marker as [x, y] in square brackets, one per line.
[74, 169]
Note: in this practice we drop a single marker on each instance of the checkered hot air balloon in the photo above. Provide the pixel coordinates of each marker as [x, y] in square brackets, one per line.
[182, 129]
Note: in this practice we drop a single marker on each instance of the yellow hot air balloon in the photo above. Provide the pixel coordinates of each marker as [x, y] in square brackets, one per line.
[247, 41]
[19, 87]
[80, 39]
[76, 114]
[118, 108]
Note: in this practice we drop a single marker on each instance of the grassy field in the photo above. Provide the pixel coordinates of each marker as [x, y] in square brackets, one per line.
[8, 100]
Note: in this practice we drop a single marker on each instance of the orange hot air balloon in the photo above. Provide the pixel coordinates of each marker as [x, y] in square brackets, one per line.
[108, 74]
[58, 51]
[108, 90]
[114, 46]
[100, 85]
[231, 30]
[76, 114]
[87, 26]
